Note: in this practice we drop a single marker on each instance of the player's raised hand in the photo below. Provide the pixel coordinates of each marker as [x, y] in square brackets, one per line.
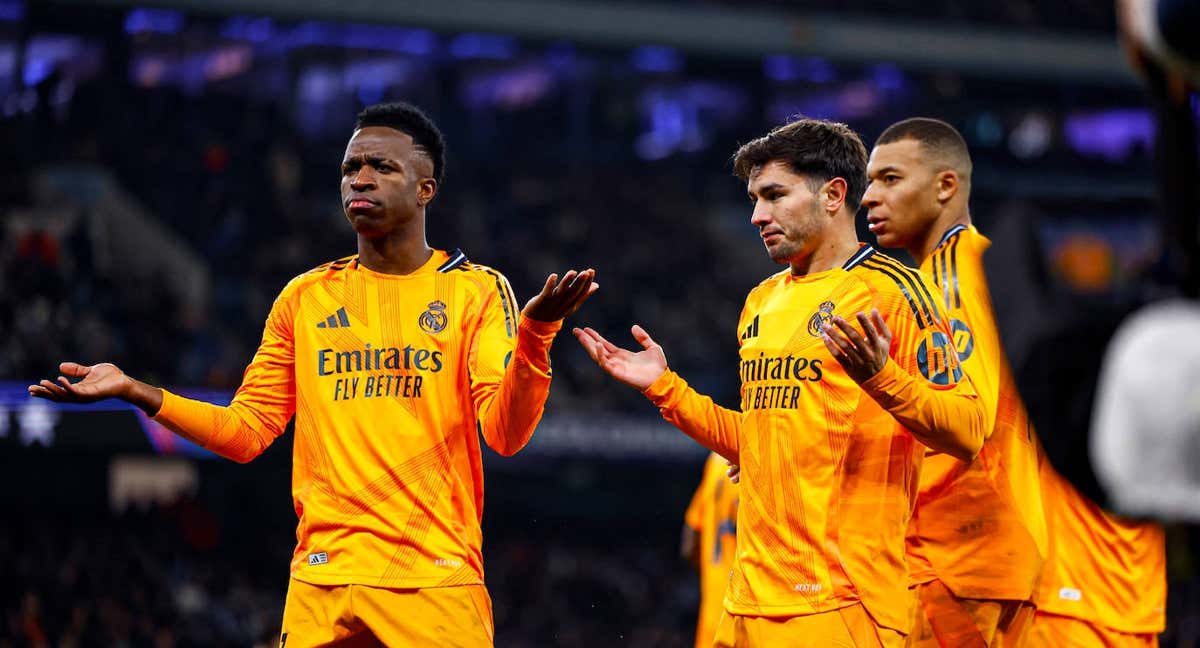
[637, 369]
[100, 381]
[560, 298]
[862, 355]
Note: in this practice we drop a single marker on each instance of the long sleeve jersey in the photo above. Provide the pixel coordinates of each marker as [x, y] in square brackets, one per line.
[391, 379]
[829, 467]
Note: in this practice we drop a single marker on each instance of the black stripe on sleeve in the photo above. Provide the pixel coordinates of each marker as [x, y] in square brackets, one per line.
[912, 303]
[512, 300]
[949, 278]
[939, 276]
[506, 299]
[948, 255]
[922, 284]
[953, 245]
[934, 263]
[928, 304]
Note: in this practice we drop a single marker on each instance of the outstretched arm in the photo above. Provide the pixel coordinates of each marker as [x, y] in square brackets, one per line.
[713, 426]
[259, 413]
[509, 410]
[239, 432]
[947, 420]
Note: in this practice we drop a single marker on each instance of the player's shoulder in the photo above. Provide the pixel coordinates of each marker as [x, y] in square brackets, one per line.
[482, 281]
[772, 280]
[765, 288]
[885, 273]
[892, 282]
[956, 264]
[961, 242]
[323, 272]
[328, 267]
[477, 274]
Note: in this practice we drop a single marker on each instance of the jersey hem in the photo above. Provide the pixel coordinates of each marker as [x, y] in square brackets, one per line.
[776, 611]
[1156, 630]
[337, 579]
[788, 610]
[984, 592]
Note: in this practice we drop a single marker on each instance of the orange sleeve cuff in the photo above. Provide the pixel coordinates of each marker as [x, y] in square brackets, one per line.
[533, 343]
[664, 387]
[883, 384]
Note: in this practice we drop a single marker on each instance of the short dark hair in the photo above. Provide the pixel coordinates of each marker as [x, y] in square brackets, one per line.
[411, 121]
[818, 149]
[940, 140]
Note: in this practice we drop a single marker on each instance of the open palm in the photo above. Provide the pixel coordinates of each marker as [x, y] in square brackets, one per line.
[561, 298]
[637, 369]
[100, 381]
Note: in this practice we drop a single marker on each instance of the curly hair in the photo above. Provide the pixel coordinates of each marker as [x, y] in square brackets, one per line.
[818, 149]
[411, 121]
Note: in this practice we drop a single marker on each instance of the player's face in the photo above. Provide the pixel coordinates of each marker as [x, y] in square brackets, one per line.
[902, 196]
[385, 181]
[786, 212]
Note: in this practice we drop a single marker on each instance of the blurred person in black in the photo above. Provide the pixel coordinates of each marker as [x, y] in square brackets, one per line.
[1106, 420]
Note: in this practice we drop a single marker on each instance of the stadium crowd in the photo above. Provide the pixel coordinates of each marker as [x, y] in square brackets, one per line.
[259, 205]
[206, 571]
[209, 573]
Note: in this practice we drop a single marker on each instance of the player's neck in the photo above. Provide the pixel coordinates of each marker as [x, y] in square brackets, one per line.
[927, 244]
[829, 254]
[400, 253]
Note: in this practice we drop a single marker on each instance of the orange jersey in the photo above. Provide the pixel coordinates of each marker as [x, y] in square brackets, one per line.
[979, 527]
[1102, 569]
[391, 379]
[713, 515]
[829, 476]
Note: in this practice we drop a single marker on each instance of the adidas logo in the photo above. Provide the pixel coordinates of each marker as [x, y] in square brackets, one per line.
[752, 330]
[337, 320]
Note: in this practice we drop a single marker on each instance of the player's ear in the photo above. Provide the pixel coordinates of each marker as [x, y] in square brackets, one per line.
[948, 184]
[426, 190]
[833, 195]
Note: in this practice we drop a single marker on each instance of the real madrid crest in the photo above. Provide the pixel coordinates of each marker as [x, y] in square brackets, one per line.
[823, 315]
[434, 319]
